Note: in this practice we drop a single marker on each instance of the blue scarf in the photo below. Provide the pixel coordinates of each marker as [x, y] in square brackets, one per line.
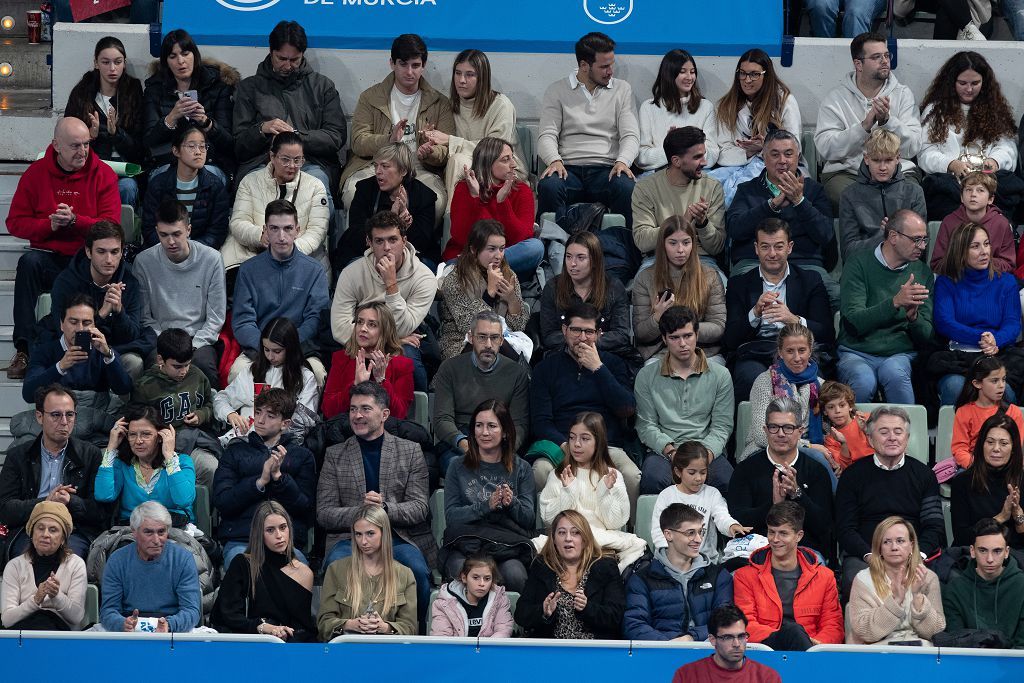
[786, 383]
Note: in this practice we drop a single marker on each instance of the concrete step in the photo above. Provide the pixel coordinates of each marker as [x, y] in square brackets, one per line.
[6, 303]
[6, 351]
[28, 103]
[11, 249]
[6, 438]
[11, 402]
[29, 63]
[5, 209]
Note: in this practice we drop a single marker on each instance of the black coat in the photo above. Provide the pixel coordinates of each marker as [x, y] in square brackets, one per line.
[210, 210]
[606, 600]
[369, 199]
[19, 483]
[126, 141]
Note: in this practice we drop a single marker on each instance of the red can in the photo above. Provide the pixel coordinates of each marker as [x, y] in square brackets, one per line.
[34, 22]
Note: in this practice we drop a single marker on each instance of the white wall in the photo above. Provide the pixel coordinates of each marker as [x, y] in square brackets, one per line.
[819, 65]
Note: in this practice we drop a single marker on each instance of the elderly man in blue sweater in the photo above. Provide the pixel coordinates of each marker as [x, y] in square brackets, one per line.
[151, 579]
[281, 281]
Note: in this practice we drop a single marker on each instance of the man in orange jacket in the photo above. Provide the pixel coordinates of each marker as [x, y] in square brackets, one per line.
[787, 593]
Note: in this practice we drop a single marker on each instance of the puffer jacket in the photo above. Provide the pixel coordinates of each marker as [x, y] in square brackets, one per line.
[815, 602]
[215, 84]
[864, 204]
[209, 218]
[448, 616]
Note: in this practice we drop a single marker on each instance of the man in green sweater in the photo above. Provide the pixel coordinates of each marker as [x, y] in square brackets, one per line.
[990, 594]
[886, 311]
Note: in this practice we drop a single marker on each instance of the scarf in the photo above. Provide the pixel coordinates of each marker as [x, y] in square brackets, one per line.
[786, 383]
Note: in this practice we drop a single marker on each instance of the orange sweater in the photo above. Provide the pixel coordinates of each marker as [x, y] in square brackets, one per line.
[967, 424]
[856, 441]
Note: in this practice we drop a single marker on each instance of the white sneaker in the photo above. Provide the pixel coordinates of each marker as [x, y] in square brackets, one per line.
[970, 32]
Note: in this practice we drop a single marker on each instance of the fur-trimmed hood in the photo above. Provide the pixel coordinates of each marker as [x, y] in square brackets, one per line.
[213, 67]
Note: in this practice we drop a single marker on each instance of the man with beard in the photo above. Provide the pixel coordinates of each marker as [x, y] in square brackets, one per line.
[727, 632]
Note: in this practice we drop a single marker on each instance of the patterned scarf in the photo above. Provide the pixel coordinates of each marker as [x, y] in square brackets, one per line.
[786, 383]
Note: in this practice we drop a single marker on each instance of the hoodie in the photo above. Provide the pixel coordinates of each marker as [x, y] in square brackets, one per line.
[864, 204]
[360, 283]
[124, 330]
[839, 136]
[969, 601]
[91, 192]
[1000, 235]
[448, 615]
[175, 399]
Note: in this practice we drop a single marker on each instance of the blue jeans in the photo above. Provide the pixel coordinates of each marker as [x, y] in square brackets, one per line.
[857, 19]
[524, 257]
[950, 387]
[406, 554]
[129, 191]
[819, 457]
[1013, 10]
[233, 548]
[586, 184]
[419, 370]
[864, 372]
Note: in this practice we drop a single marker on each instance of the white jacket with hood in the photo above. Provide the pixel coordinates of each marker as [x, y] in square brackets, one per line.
[839, 136]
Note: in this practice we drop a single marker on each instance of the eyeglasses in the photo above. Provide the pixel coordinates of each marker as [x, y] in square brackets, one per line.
[57, 416]
[583, 331]
[730, 638]
[878, 57]
[918, 241]
[196, 146]
[689, 534]
[749, 75]
[785, 429]
[291, 161]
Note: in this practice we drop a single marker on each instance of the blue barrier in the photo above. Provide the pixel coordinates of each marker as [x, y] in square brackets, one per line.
[721, 27]
[209, 658]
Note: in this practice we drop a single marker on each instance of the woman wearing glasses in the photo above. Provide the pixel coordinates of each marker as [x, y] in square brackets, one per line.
[757, 102]
[190, 182]
[968, 126]
[281, 178]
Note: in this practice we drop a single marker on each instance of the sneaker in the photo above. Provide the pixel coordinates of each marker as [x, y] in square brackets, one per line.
[970, 32]
[18, 365]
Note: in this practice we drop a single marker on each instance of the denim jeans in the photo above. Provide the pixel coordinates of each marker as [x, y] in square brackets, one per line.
[129, 191]
[233, 548]
[419, 370]
[404, 553]
[524, 257]
[1013, 10]
[586, 184]
[857, 19]
[864, 372]
[951, 385]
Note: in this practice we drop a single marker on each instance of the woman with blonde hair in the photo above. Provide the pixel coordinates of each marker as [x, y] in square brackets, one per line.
[896, 598]
[368, 592]
[267, 589]
[678, 278]
[573, 589]
[373, 352]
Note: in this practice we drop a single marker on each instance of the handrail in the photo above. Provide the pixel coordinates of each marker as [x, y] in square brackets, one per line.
[169, 637]
[532, 642]
[930, 650]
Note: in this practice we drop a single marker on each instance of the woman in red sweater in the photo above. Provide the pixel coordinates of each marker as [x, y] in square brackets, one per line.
[492, 190]
[373, 353]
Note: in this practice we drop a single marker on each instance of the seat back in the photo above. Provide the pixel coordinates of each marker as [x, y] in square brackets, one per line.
[644, 510]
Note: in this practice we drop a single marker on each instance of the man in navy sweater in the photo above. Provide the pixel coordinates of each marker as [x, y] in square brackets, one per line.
[886, 484]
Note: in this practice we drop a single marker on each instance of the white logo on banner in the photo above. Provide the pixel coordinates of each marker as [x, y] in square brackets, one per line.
[606, 11]
[248, 5]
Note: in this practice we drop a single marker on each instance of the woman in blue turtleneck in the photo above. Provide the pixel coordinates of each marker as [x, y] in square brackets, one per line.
[977, 309]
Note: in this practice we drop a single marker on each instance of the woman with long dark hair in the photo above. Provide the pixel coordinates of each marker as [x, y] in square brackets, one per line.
[109, 100]
[968, 126]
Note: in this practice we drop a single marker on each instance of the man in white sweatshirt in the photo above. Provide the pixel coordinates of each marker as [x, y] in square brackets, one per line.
[589, 134]
[871, 96]
[182, 285]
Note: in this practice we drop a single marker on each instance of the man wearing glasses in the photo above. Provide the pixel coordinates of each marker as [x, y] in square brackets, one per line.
[786, 591]
[783, 472]
[656, 608]
[871, 96]
[58, 199]
[886, 310]
[727, 631]
[55, 467]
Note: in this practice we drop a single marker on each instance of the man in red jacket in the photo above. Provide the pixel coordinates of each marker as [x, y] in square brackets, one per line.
[787, 593]
[58, 199]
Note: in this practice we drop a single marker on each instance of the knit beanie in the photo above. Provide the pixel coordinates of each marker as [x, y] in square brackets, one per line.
[55, 511]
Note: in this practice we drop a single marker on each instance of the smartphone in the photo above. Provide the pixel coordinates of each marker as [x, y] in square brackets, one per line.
[665, 293]
[83, 340]
[192, 94]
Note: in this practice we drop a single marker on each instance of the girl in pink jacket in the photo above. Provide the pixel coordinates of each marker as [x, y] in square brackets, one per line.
[473, 604]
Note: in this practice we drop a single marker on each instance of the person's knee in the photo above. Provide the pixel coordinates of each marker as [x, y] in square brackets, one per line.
[655, 475]
[720, 473]
[551, 187]
[513, 573]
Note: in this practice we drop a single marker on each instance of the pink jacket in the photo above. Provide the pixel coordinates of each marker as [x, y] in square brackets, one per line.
[448, 617]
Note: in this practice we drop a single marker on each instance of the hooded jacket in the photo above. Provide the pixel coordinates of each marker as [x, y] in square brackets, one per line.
[1000, 235]
[864, 204]
[448, 616]
[209, 217]
[91, 192]
[815, 602]
[372, 124]
[175, 399]
[839, 136]
[304, 98]
[361, 283]
[124, 330]
[970, 601]
[659, 607]
[215, 84]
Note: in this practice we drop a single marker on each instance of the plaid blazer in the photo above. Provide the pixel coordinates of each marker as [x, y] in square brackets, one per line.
[403, 484]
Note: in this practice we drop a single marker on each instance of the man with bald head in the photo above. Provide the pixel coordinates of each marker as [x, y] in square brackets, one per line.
[58, 199]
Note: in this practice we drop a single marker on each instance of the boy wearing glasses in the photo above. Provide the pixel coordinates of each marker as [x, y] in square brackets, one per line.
[673, 597]
[54, 467]
[727, 632]
[786, 591]
[781, 472]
